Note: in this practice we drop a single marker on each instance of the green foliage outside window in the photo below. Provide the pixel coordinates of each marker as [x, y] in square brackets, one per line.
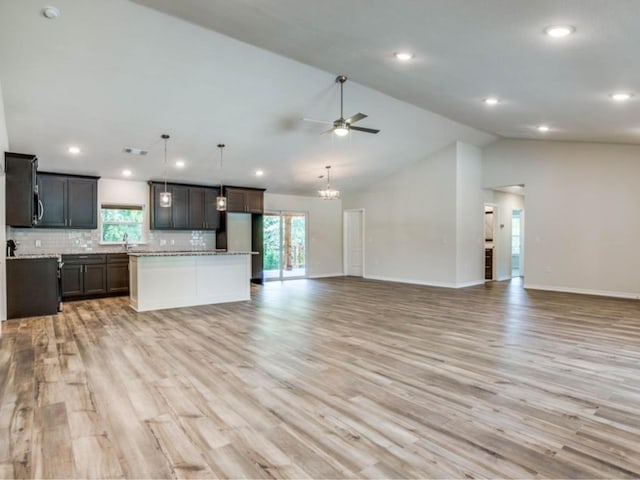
[117, 221]
[272, 242]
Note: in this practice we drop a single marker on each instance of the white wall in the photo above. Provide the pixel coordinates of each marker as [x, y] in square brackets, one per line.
[582, 222]
[505, 204]
[324, 256]
[410, 222]
[4, 146]
[470, 215]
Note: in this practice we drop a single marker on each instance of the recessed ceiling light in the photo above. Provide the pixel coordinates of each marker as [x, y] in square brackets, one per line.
[126, 172]
[403, 56]
[73, 149]
[179, 163]
[621, 96]
[543, 128]
[491, 101]
[559, 31]
[259, 173]
[50, 12]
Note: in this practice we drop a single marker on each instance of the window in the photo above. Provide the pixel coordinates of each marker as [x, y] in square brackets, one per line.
[118, 220]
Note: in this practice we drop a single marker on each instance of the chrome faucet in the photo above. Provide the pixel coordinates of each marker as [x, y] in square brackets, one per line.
[125, 242]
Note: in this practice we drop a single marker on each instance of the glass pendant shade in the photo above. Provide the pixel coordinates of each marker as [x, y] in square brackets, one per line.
[341, 131]
[165, 199]
[221, 203]
[329, 194]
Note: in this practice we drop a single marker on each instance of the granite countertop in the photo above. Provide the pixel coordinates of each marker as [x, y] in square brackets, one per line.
[27, 256]
[186, 253]
[133, 253]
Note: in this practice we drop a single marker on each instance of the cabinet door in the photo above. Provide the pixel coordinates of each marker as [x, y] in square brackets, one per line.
[95, 279]
[118, 278]
[82, 203]
[196, 208]
[180, 207]
[211, 214]
[254, 201]
[160, 216]
[72, 276]
[53, 193]
[19, 177]
[235, 199]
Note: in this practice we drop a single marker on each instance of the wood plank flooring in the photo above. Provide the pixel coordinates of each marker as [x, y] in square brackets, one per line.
[335, 378]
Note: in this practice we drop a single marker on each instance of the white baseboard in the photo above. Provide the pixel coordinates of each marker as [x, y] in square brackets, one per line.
[583, 291]
[426, 284]
[327, 275]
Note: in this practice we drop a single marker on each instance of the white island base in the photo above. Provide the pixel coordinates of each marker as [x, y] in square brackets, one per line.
[170, 280]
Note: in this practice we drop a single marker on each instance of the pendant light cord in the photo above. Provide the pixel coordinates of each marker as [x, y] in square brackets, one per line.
[165, 164]
[221, 147]
[165, 137]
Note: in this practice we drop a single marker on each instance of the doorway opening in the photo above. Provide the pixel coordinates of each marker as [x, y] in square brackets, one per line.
[354, 242]
[516, 243]
[490, 212]
[285, 245]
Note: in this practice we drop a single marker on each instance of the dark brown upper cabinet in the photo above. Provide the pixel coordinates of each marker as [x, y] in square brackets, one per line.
[192, 208]
[21, 206]
[202, 208]
[68, 201]
[244, 200]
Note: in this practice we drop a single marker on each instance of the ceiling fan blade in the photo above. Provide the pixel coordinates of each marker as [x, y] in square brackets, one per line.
[355, 118]
[327, 131]
[315, 120]
[366, 130]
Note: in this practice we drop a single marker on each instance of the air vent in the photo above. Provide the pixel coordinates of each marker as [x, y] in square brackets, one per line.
[135, 151]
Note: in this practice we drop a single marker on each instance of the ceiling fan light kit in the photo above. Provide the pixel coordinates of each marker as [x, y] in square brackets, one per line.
[342, 126]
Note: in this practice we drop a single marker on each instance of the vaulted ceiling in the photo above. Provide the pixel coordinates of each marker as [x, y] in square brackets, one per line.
[113, 73]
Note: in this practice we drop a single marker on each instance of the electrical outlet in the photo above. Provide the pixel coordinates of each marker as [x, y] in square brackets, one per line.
[163, 242]
[38, 243]
[173, 242]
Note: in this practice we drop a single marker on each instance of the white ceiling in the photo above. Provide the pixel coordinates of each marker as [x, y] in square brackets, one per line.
[113, 73]
[465, 51]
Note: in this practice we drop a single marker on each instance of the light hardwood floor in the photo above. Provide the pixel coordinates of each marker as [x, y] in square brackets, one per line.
[335, 378]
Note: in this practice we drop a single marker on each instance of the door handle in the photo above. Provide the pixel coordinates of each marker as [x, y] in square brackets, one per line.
[40, 209]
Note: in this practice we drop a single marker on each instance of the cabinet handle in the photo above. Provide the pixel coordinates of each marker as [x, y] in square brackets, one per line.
[69, 222]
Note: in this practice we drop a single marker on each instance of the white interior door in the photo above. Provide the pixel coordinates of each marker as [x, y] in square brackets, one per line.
[354, 243]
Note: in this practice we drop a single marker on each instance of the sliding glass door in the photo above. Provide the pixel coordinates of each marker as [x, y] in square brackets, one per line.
[285, 245]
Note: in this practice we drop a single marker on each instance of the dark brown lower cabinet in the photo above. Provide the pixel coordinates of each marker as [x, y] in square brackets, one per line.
[32, 287]
[72, 283]
[94, 275]
[95, 279]
[118, 273]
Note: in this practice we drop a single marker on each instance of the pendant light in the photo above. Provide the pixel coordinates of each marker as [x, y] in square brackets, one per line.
[221, 201]
[329, 193]
[165, 196]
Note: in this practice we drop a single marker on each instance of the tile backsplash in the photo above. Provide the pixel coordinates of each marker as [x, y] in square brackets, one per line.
[83, 241]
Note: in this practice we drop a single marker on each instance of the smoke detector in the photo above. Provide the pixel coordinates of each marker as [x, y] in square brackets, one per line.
[50, 12]
[135, 151]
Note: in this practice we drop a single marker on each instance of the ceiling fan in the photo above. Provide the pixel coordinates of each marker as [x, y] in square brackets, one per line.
[342, 126]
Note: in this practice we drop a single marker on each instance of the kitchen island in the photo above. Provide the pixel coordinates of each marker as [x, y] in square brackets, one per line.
[160, 280]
